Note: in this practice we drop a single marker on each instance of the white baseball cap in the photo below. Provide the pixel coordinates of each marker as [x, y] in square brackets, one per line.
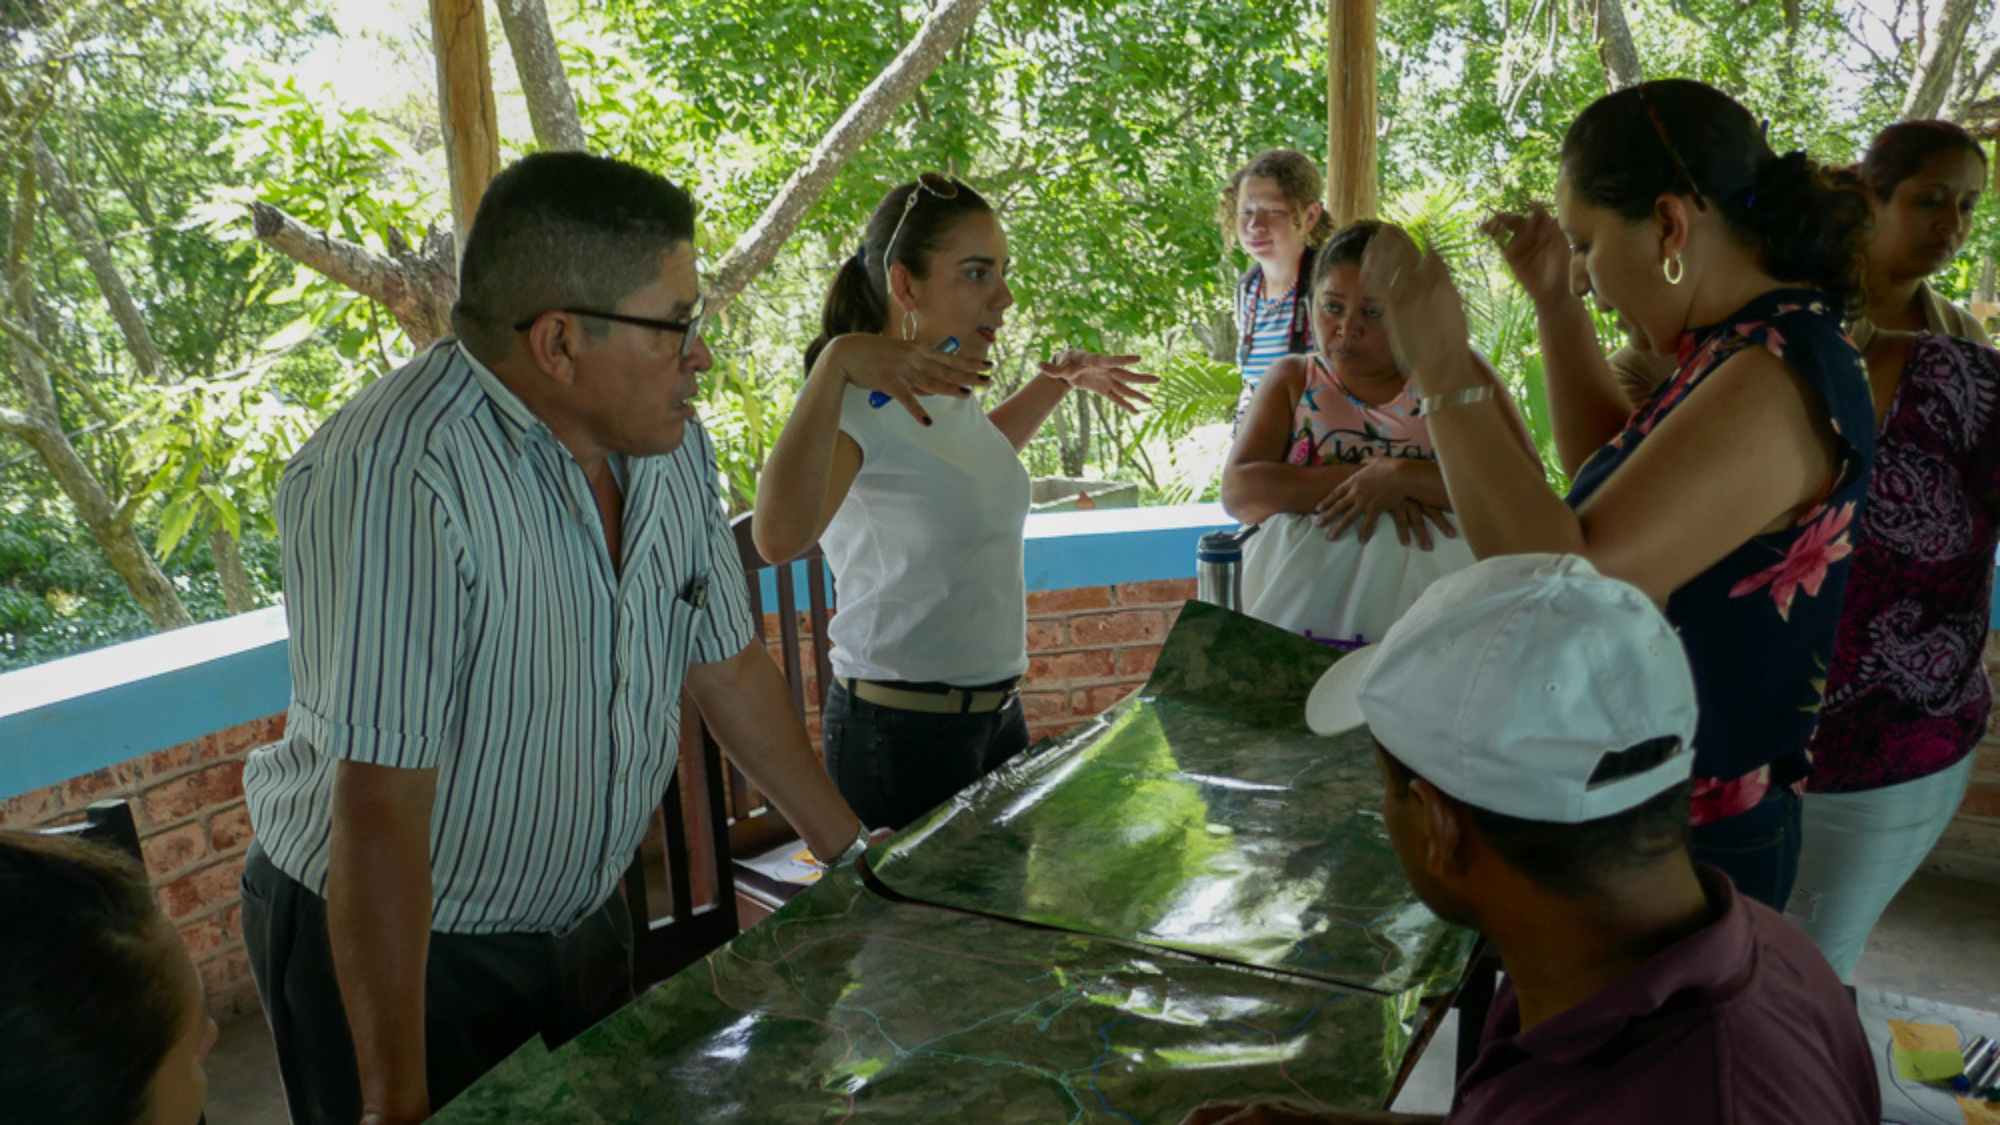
[1508, 682]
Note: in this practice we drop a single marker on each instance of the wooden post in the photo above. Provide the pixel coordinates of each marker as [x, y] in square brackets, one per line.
[465, 105]
[1351, 184]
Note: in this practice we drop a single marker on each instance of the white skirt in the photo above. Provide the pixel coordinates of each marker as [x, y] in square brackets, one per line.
[1340, 590]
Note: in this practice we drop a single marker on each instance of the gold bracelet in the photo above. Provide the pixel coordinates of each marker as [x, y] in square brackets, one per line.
[1431, 404]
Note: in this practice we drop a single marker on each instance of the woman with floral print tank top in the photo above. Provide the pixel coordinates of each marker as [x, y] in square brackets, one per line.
[1732, 498]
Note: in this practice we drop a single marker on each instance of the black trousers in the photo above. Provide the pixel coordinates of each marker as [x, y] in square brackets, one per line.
[484, 995]
[894, 766]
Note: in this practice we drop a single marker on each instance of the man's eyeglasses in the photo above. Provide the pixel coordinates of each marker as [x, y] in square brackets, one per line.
[1666, 139]
[926, 182]
[690, 328]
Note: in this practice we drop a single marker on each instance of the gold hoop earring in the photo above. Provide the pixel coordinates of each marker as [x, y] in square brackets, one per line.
[1673, 270]
[909, 324]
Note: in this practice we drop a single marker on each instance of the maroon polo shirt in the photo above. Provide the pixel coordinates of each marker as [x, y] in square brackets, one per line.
[1741, 1022]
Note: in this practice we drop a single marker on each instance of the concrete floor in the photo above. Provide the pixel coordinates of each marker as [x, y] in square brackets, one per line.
[1940, 940]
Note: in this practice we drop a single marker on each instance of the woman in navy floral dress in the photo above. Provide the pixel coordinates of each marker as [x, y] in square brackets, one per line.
[1732, 496]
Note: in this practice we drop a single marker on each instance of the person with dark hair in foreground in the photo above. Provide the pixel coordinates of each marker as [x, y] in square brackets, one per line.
[1531, 719]
[103, 1020]
[503, 563]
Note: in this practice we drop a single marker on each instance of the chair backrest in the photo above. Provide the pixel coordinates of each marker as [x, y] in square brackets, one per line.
[109, 823]
[745, 803]
[680, 887]
[710, 811]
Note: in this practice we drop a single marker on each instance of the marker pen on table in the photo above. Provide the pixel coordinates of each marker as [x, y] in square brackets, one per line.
[1976, 1066]
[880, 399]
[1968, 1061]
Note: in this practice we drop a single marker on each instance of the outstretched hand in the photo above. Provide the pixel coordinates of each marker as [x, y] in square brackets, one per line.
[903, 369]
[1104, 375]
[1535, 251]
[1423, 312]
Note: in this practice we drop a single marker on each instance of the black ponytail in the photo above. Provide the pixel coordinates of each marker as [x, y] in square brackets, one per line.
[858, 299]
[853, 304]
[1680, 137]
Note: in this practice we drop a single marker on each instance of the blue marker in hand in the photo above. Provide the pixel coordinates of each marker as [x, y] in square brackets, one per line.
[880, 399]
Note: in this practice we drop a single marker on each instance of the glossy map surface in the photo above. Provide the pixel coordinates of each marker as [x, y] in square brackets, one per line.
[846, 1007]
[1200, 815]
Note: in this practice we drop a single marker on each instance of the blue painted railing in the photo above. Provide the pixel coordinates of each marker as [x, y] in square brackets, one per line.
[83, 713]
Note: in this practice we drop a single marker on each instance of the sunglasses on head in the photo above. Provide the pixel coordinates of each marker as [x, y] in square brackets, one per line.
[1667, 140]
[927, 183]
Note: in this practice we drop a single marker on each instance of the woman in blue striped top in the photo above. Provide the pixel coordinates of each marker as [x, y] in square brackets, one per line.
[1271, 206]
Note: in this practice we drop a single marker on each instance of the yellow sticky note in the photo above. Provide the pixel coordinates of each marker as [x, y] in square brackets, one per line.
[1923, 1036]
[1925, 1052]
[1978, 1112]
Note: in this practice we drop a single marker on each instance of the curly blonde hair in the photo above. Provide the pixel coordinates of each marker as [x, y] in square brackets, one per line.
[1297, 176]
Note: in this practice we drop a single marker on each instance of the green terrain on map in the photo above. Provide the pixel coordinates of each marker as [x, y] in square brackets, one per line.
[1201, 815]
[846, 1007]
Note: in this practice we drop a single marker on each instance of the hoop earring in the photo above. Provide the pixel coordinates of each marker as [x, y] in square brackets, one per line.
[909, 324]
[1673, 270]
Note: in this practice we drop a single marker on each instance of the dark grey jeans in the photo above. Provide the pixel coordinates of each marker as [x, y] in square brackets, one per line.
[894, 766]
[484, 995]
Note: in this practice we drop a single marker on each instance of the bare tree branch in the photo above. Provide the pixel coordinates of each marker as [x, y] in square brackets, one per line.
[1974, 85]
[25, 339]
[551, 107]
[760, 244]
[417, 289]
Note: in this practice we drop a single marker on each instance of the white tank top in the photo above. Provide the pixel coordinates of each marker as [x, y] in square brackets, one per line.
[926, 549]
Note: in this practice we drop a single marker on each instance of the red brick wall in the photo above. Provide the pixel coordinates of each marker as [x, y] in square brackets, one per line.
[1088, 648]
[188, 802]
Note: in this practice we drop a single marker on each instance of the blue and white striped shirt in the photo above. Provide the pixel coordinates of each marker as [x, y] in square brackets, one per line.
[452, 606]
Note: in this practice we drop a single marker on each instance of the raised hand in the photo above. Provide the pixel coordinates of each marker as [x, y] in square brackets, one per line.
[903, 369]
[1424, 314]
[1104, 375]
[1535, 251]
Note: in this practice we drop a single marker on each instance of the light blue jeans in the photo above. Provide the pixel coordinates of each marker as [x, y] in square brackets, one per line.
[1860, 848]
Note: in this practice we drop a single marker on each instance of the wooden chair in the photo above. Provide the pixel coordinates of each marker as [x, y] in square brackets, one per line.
[755, 826]
[686, 870]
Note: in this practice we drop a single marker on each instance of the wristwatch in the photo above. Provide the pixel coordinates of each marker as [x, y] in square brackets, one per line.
[853, 852]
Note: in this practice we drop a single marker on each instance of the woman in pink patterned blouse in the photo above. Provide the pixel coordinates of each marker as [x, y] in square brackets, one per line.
[1906, 691]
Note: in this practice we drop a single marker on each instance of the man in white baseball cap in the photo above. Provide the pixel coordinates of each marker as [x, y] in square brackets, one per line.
[1531, 718]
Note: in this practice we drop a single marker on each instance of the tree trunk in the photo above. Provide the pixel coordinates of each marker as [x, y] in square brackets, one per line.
[239, 592]
[759, 246]
[1614, 44]
[134, 565]
[550, 104]
[40, 427]
[416, 288]
[1938, 63]
[90, 243]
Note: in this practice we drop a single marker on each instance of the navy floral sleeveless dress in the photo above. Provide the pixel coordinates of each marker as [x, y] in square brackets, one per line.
[1759, 624]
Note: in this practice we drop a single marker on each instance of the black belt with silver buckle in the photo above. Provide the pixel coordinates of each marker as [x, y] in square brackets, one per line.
[935, 698]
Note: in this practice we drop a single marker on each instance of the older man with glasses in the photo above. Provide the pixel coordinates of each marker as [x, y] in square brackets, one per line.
[503, 562]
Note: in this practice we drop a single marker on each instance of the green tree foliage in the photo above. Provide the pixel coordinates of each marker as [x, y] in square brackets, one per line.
[1102, 129]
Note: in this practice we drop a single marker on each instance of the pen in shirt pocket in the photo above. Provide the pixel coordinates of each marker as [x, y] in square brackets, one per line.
[880, 399]
[696, 592]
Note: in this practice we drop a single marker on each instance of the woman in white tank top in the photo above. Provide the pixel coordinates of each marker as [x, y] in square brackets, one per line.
[917, 494]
